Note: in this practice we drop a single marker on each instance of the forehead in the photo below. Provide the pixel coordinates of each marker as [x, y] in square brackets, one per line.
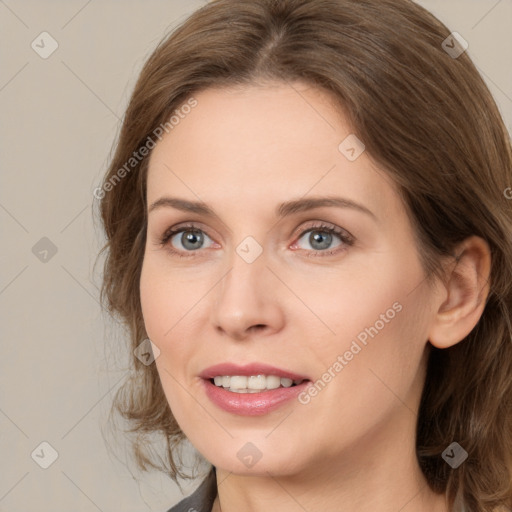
[255, 123]
[255, 144]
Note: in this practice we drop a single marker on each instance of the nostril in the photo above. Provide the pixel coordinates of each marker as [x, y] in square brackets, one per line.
[257, 329]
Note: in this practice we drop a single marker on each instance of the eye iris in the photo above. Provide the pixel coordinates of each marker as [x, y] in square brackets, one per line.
[320, 237]
[191, 237]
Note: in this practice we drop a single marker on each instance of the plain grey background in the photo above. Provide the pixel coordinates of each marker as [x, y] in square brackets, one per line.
[60, 116]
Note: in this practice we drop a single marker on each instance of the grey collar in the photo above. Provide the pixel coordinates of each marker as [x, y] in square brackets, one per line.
[201, 500]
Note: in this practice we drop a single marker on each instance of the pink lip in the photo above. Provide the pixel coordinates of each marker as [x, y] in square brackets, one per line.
[250, 404]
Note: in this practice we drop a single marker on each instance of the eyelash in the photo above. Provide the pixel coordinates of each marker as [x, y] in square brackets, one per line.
[347, 239]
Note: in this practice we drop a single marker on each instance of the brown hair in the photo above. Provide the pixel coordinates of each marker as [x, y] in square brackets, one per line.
[427, 119]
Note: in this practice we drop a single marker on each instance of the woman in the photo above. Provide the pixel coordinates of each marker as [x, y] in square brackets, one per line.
[306, 214]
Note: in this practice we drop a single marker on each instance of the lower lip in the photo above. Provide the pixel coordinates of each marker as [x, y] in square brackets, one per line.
[251, 404]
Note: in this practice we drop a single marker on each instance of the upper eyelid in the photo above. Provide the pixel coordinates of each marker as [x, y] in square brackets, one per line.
[199, 226]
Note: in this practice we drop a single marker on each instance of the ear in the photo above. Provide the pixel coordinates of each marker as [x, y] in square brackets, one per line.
[466, 289]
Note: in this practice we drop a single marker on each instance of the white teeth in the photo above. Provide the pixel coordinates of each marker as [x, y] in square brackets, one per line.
[257, 382]
[238, 382]
[252, 383]
[286, 382]
[273, 382]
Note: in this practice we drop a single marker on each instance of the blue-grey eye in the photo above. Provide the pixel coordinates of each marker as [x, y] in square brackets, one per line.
[190, 239]
[320, 239]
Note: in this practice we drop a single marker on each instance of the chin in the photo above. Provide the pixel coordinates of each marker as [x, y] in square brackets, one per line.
[246, 459]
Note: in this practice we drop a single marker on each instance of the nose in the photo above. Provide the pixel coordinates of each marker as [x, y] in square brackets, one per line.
[247, 300]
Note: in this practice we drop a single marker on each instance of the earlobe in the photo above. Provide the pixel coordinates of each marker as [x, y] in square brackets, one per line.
[466, 289]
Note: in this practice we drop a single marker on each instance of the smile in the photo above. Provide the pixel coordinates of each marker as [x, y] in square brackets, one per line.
[251, 389]
[253, 383]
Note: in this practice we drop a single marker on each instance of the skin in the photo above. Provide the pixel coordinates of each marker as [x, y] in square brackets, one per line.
[243, 152]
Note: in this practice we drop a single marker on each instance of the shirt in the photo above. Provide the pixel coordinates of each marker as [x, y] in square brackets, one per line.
[201, 500]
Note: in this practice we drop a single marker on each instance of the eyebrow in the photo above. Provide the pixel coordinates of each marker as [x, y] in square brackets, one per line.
[283, 210]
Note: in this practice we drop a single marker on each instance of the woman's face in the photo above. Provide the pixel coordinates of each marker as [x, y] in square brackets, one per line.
[257, 279]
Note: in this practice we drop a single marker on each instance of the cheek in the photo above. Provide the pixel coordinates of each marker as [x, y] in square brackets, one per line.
[376, 361]
[171, 303]
[371, 348]
[164, 303]
[164, 300]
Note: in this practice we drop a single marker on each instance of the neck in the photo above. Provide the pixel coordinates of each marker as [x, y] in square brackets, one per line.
[379, 472]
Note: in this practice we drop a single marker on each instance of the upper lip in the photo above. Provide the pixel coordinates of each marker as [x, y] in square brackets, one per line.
[248, 369]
